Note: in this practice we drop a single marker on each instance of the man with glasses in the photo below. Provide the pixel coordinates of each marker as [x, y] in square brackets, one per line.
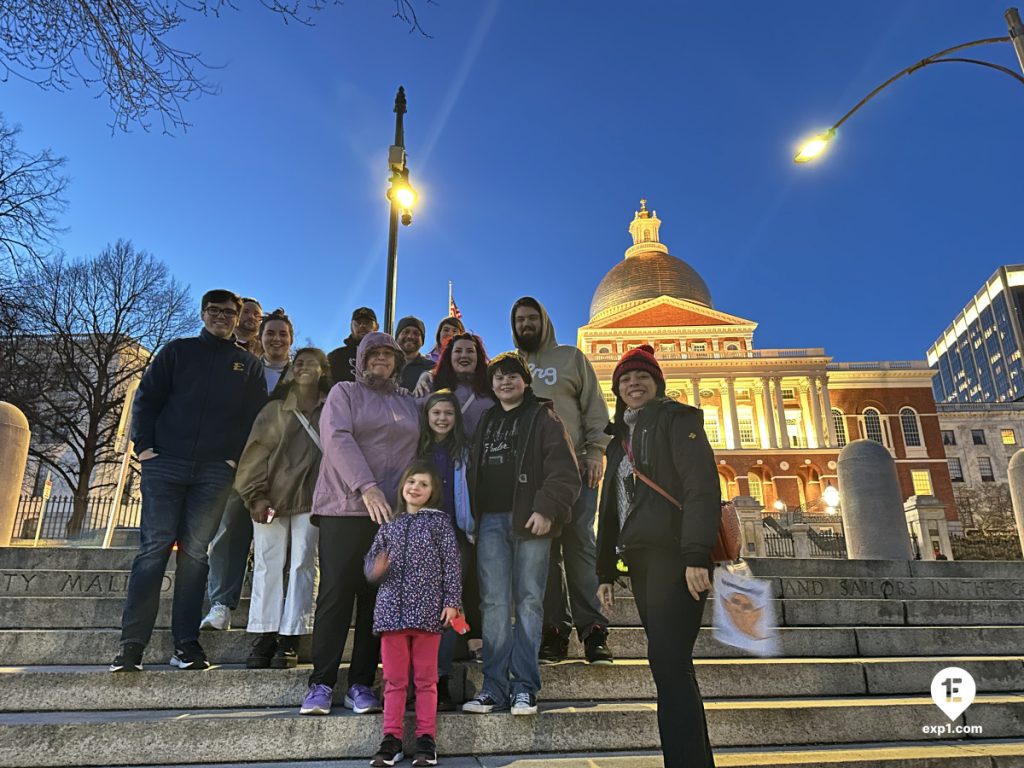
[343, 359]
[191, 417]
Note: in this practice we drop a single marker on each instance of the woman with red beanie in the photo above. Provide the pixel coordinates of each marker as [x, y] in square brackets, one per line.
[660, 512]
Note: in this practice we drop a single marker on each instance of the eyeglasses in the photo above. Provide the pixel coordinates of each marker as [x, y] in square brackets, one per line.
[221, 311]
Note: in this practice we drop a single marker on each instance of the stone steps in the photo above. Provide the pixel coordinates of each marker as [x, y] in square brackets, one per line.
[20, 647]
[73, 688]
[139, 737]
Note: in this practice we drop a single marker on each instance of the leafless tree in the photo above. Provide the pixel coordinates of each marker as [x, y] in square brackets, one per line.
[989, 507]
[80, 340]
[31, 199]
[124, 48]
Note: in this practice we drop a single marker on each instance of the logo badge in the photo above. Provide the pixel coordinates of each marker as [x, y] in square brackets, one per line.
[953, 691]
[237, 367]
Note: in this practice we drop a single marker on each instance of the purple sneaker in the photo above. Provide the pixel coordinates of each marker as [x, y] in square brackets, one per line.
[361, 700]
[317, 701]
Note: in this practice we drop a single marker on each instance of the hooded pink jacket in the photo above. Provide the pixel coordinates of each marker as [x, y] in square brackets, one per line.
[369, 430]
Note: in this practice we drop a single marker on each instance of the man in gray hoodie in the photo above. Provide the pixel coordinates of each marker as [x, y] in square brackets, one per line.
[563, 374]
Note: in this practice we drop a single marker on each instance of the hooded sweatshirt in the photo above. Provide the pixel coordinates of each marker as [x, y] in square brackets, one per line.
[369, 429]
[564, 375]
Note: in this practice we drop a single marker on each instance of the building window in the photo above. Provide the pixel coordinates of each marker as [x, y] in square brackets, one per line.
[793, 429]
[746, 425]
[604, 350]
[978, 436]
[1009, 436]
[956, 472]
[922, 479]
[873, 426]
[985, 468]
[948, 437]
[756, 488]
[667, 349]
[731, 347]
[711, 427]
[788, 393]
[911, 429]
[699, 346]
[839, 421]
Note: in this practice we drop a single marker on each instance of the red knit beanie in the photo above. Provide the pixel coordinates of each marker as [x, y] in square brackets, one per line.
[639, 359]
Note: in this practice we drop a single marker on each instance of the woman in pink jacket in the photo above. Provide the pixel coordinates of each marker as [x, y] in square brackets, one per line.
[369, 428]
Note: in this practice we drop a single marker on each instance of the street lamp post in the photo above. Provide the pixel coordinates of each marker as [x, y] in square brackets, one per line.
[815, 147]
[402, 197]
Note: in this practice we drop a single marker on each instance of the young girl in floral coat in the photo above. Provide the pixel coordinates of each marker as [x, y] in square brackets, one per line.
[415, 559]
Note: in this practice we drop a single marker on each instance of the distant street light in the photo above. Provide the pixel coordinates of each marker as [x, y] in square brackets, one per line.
[816, 146]
[402, 198]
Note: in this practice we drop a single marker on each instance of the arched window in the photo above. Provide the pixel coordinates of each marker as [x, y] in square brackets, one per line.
[873, 425]
[911, 428]
[839, 421]
[723, 486]
[756, 487]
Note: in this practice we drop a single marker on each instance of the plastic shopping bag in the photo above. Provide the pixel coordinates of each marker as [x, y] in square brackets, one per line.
[744, 614]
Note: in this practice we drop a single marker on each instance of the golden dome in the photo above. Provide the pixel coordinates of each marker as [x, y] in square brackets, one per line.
[649, 271]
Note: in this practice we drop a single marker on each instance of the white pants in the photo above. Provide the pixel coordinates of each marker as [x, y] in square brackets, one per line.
[270, 547]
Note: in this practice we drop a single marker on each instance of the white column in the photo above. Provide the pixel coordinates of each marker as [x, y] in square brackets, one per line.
[696, 392]
[783, 433]
[734, 419]
[812, 386]
[769, 415]
[759, 416]
[826, 402]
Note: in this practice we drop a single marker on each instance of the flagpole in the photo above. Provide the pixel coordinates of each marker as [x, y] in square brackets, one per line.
[449, 297]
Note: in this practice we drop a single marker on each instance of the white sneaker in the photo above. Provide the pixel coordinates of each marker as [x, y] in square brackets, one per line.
[524, 704]
[218, 618]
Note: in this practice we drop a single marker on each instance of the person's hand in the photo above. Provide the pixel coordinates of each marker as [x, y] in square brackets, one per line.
[424, 385]
[594, 469]
[148, 454]
[380, 567]
[538, 525]
[377, 505]
[448, 615]
[258, 510]
[606, 594]
[697, 581]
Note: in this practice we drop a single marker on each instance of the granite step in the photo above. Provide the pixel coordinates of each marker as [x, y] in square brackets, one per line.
[874, 569]
[134, 737]
[85, 688]
[98, 646]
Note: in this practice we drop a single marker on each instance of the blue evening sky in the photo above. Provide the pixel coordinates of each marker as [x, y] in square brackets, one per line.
[533, 130]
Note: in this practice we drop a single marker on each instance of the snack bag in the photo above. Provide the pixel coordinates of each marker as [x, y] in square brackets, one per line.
[744, 615]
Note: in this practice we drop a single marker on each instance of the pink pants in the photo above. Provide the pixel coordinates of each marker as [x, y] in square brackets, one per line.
[400, 652]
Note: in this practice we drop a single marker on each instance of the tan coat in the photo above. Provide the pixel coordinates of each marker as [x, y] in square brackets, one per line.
[280, 461]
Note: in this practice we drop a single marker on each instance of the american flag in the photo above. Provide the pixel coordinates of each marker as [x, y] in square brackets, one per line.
[453, 308]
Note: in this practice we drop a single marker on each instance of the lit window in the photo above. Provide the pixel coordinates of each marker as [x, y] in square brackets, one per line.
[985, 468]
[746, 424]
[711, 427]
[699, 346]
[948, 437]
[796, 438]
[922, 482]
[788, 393]
[873, 425]
[911, 430]
[756, 488]
[956, 472]
[840, 424]
[978, 436]
[1009, 436]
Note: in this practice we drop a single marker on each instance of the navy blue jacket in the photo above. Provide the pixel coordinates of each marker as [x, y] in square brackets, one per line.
[198, 399]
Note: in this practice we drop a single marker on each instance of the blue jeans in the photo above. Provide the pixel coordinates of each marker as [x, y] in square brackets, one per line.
[470, 607]
[229, 553]
[513, 570]
[574, 564]
[181, 502]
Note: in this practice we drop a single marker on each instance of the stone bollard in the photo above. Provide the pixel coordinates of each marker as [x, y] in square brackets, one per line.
[1015, 474]
[872, 503]
[926, 517]
[801, 541]
[750, 511]
[14, 437]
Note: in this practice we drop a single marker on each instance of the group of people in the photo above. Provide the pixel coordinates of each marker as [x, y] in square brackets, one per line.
[429, 498]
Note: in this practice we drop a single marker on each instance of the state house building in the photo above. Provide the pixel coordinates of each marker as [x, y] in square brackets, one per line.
[777, 418]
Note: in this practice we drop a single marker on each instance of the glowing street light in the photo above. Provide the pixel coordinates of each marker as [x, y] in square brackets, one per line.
[815, 147]
[402, 198]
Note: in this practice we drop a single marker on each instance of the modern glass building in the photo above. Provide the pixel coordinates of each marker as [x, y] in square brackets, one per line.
[977, 359]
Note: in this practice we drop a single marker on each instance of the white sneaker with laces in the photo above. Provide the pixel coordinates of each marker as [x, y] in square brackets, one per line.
[219, 618]
[524, 704]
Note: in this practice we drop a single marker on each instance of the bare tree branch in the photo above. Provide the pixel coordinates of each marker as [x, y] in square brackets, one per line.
[122, 48]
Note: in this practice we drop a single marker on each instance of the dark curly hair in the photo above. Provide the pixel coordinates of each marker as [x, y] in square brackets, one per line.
[444, 371]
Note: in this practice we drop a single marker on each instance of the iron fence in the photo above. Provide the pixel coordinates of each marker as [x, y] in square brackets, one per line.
[826, 544]
[57, 512]
[985, 546]
[778, 546]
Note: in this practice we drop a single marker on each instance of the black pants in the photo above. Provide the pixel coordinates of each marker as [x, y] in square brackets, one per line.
[344, 542]
[671, 619]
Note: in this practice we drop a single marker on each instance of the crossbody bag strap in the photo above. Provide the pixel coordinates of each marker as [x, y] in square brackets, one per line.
[309, 429]
[645, 479]
[469, 402]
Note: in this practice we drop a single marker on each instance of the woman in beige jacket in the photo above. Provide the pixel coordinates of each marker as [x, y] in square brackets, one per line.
[276, 476]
